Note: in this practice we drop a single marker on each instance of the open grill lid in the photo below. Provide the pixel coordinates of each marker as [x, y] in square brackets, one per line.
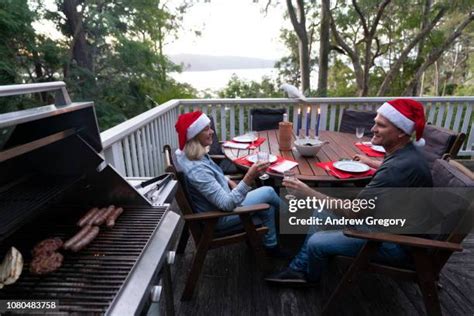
[51, 153]
[25, 126]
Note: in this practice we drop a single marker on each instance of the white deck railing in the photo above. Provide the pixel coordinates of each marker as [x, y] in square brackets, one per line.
[134, 147]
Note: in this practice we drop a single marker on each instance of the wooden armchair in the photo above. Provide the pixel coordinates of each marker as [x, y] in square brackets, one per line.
[440, 141]
[202, 227]
[429, 256]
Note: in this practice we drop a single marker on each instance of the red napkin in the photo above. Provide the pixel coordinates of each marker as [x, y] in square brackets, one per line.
[257, 143]
[243, 161]
[343, 174]
[369, 151]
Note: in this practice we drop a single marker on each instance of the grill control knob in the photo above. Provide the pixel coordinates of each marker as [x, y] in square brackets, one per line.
[155, 293]
[171, 256]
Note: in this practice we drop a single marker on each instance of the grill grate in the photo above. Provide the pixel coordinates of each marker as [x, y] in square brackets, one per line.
[88, 281]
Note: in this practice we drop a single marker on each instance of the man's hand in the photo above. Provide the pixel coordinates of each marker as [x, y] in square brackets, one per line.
[370, 162]
[300, 187]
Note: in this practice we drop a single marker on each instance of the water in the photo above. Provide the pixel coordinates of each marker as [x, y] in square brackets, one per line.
[218, 79]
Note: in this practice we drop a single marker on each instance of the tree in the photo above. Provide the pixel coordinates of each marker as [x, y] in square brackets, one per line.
[389, 29]
[116, 54]
[238, 88]
[298, 20]
[324, 49]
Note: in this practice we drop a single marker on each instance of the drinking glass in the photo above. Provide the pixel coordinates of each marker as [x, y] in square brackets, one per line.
[253, 135]
[360, 132]
[263, 156]
[289, 175]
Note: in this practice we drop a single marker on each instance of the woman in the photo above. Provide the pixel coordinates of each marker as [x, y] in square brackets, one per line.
[211, 190]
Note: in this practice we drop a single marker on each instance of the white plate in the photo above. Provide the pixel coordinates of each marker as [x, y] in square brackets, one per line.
[253, 158]
[244, 139]
[351, 166]
[380, 149]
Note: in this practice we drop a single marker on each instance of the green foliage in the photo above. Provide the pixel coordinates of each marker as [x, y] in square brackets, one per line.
[341, 81]
[237, 88]
[123, 39]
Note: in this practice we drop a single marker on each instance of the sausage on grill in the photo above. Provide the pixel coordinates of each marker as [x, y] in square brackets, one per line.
[96, 216]
[103, 215]
[86, 218]
[87, 239]
[113, 217]
[74, 239]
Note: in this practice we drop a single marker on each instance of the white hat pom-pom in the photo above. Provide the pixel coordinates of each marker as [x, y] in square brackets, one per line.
[420, 142]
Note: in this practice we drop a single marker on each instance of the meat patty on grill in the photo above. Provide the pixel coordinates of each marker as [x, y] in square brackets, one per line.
[46, 264]
[47, 246]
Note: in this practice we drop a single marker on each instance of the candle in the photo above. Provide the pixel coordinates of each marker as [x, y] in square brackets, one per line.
[298, 123]
[308, 111]
[317, 124]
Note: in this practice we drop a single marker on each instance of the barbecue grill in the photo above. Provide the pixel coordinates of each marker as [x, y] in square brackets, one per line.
[51, 173]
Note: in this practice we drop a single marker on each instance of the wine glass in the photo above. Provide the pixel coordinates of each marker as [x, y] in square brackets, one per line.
[360, 132]
[289, 175]
[263, 156]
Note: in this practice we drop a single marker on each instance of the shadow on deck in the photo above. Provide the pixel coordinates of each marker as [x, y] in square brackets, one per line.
[231, 284]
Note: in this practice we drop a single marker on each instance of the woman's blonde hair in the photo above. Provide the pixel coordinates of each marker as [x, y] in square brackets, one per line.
[194, 150]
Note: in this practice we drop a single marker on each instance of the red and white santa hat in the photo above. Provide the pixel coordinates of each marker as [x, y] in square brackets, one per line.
[189, 125]
[406, 114]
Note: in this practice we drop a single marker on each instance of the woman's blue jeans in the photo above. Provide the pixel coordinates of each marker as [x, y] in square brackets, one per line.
[264, 194]
[320, 245]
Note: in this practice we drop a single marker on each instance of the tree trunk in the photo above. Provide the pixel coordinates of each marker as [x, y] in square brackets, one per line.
[299, 25]
[80, 48]
[324, 49]
[421, 45]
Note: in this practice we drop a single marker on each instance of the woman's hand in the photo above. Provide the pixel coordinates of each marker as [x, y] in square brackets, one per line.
[232, 184]
[254, 171]
[298, 186]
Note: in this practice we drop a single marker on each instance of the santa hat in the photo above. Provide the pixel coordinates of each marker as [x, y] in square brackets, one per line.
[406, 114]
[189, 125]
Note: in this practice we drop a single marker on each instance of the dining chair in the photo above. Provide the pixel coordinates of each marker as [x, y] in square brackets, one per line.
[202, 225]
[429, 255]
[351, 119]
[266, 119]
[440, 141]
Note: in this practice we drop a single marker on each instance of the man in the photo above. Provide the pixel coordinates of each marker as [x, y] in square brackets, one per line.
[403, 166]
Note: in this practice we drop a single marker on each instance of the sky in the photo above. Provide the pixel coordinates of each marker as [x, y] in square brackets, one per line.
[228, 28]
[232, 27]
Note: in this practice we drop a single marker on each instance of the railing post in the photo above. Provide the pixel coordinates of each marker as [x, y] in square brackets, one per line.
[114, 156]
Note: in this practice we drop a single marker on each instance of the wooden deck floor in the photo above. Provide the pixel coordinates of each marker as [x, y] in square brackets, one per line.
[232, 285]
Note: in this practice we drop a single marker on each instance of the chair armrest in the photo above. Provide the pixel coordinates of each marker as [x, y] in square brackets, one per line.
[217, 157]
[218, 214]
[404, 240]
[237, 176]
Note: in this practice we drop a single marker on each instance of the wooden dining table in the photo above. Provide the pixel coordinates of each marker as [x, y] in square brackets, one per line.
[339, 146]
